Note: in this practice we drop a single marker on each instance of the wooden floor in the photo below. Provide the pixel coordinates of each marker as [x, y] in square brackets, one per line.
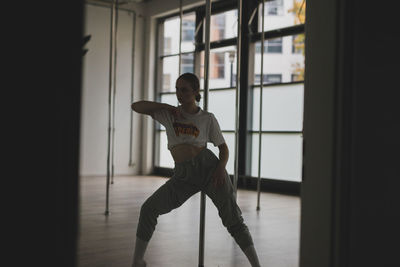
[108, 241]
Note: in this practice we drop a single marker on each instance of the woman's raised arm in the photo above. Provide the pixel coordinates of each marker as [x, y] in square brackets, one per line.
[148, 107]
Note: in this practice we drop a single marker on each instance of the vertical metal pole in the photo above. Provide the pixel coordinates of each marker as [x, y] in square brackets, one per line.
[238, 53]
[180, 36]
[132, 89]
[231, 80]
[261, 96]
[110, 95]
[205, 107]
[114, 91]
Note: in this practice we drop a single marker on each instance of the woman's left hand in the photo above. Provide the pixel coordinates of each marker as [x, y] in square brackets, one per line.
[218, 177]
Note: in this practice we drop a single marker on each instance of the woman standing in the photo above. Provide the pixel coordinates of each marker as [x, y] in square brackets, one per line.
[196, 169]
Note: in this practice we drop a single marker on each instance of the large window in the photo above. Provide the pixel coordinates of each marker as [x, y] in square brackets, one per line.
[281, 105]
[282, 78]
[222, 74]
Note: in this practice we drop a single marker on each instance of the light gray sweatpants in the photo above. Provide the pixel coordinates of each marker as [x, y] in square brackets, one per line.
[190, 177]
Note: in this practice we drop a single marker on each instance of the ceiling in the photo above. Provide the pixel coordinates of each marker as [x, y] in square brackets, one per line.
[121, 1]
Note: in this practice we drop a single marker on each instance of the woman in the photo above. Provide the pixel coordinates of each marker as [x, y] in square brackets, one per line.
[196, 169]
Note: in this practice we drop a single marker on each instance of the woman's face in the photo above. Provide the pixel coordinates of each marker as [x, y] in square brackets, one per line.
[184, 92]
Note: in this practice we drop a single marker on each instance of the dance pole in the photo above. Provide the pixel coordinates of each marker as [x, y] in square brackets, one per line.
[114, 92]
[205, 107]
[110, 95]
[180, 36]
[238, 53]
[261, 96]
[131, 164]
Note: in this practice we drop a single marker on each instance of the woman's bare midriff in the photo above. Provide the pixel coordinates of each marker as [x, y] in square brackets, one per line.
[184, 152]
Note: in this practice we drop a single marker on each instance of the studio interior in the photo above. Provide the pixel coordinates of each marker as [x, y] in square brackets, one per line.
[303, 94]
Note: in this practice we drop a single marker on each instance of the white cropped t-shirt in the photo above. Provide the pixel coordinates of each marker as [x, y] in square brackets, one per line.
[195, 129]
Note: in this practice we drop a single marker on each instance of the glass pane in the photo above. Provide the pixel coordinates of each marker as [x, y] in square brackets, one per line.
[188, 29]
[169, 99]
[224, 113]
[281, 14]
[283, 60]
[222, 72]
[170, 73]
[230, 142]
[270, 46]
[166, 159]
[282, 108]
[223, 25]
[171, 36]
[187, 63]
[281, 156]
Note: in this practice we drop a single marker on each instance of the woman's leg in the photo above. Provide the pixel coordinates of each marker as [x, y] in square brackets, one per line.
[230, 214]
[169, 196]
[140, 249]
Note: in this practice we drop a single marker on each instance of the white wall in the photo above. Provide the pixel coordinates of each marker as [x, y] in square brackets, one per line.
[95, 90]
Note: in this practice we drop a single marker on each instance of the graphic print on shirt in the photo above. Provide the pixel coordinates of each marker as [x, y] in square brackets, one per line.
[186, 129]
